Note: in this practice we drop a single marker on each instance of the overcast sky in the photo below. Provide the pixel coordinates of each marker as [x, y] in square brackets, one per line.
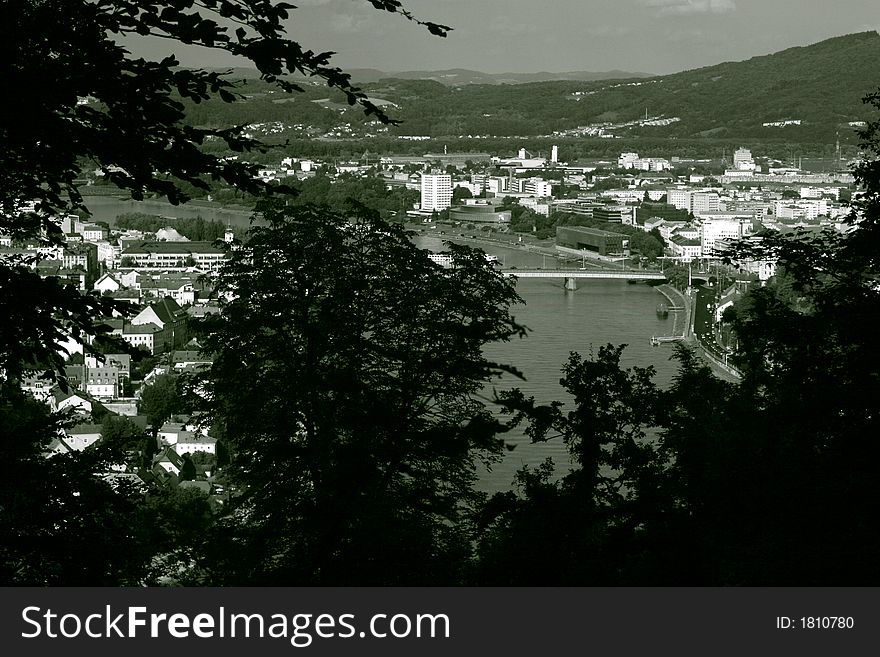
[651, 36]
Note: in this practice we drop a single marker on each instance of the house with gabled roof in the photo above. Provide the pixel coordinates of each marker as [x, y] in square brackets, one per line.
[158, 327]
[82, 436]
[169, 461]
[58, 401]
[189, 442]
[107, 283]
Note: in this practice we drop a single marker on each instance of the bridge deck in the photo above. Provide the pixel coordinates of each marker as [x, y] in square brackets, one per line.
[580, 273]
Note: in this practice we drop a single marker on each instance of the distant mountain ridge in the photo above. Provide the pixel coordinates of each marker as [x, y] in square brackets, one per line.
[461, 76]
[803, 94]
[817, 89]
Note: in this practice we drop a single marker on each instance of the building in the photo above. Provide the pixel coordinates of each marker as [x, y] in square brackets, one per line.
[436, 191]
[575, 240]
[82, 256]
[102, 382]
[808, 209]
[713, 231]
[685, 248]
[479, 213]
[94, 232]
[175, 255]
[702, 202]
[537, 187]
[158, 328]
[679, 198]
[619, 214]
[742, 160]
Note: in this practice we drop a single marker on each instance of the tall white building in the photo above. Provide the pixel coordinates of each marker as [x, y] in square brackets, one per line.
[715, 230]
[704, 202]
[679, 198]
[537, 186]
[436, 191]
[742, 160]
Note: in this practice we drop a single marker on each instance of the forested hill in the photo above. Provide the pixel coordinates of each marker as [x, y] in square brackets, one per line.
[455, 77]
[820, 85]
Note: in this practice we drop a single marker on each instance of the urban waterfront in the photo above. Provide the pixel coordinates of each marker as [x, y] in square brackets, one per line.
[559, 322]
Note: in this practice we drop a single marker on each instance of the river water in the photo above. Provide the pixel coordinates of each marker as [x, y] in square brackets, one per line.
[559, 322]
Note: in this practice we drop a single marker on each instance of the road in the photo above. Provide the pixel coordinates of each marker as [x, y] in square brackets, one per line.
[704, 322]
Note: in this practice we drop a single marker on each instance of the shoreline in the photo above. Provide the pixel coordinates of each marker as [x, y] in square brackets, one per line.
[667, 291]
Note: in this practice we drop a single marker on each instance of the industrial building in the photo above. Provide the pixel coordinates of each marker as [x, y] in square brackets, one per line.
[577, 239]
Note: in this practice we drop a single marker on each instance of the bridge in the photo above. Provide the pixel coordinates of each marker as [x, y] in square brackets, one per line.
[619, 274]
[570, 275]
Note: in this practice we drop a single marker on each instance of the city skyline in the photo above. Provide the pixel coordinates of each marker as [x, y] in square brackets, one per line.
[498, 36]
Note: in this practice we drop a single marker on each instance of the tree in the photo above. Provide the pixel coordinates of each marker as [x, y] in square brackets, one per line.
[160, 400]
[188, 471]
[460, 193]
[61, 524]
[120, 432]
[84, 102]
[581, 521]
[343, 381]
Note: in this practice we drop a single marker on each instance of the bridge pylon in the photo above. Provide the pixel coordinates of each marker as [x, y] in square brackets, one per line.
[571, 284]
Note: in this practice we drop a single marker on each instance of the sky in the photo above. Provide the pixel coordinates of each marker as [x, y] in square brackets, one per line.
[525, 36]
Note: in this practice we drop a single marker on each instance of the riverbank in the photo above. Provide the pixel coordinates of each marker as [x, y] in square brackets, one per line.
[677, 299]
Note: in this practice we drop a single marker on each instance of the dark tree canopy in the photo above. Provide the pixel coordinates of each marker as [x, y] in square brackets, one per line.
[346, 371]
[80, 96]
[75, 100]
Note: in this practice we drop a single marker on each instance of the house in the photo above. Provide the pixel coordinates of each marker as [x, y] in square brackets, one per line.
[168, 433]
[121, 363]
[131, 278]
[38, 386]
[189, 442]
[103, 382]
[170, 320]
[728, 298]
[169, 461]
[189, 359]
[144, 335]
[202, 486]
[94, 232]
[186, 438]
[132, 295]
[158, 328]
[82, 436]
[684, 248]
[58, 401]
[107, 283]
[57, 446]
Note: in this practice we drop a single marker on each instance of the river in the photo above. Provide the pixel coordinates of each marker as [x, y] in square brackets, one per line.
[559, 322]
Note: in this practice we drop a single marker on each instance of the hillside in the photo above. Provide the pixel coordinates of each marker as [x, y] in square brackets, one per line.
[457, 77]
[819, 85]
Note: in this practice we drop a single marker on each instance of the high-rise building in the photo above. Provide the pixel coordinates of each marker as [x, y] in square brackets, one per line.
[436, 191]
[742, 160]
[704, 202]
[680, 198]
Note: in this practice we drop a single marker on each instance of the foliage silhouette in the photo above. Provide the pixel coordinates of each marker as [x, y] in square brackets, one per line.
[345, 373]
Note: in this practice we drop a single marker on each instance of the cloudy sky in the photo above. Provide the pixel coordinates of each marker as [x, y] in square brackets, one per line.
[651, 36]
